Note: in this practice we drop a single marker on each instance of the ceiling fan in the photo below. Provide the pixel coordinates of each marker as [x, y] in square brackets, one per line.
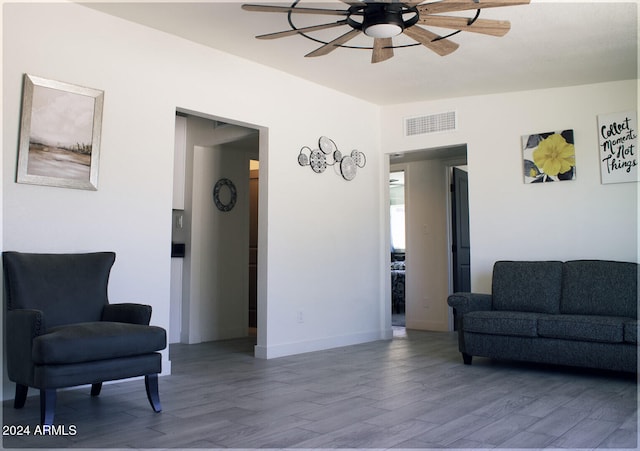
[384, 19]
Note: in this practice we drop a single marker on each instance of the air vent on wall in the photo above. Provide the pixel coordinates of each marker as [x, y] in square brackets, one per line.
[433, 123]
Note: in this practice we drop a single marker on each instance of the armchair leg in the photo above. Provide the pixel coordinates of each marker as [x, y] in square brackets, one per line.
[466, 358]
[151, 384]
[21, 396]
[95, 389]
[47, 405]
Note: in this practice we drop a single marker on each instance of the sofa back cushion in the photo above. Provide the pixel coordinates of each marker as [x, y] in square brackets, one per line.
[527, 286]
[600, 287]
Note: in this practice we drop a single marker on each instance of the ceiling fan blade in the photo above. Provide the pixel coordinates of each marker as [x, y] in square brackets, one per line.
[282, 34]
[331, 46]
[425, 37]
[286, 9]
[382, 50]
[445, 6]
[482, 26]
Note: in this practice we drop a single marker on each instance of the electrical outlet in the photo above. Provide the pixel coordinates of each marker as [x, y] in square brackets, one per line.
[299, 317]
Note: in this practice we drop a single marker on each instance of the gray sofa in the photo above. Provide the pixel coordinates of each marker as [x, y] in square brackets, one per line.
[577, 313]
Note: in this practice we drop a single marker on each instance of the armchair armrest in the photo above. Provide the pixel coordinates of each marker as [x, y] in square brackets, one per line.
[127, 313]
[23, 325]
[469, 302]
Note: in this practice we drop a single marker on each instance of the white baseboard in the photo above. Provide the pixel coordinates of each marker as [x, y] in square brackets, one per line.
[283, 350]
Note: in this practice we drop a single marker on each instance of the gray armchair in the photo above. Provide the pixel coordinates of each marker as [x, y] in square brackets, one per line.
[61, 330]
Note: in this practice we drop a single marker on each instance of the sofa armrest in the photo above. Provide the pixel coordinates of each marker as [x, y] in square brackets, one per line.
[469, 302]
[127, 313]
[462, 303]
[23, 325]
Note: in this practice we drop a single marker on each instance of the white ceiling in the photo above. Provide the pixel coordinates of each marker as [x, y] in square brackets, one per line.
[551, 44]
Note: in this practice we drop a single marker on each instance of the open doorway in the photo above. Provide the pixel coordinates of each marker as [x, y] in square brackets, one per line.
[428, 238]
[219, 295]
[398, 248]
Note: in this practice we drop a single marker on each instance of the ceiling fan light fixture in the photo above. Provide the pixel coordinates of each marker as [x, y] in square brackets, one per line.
[383, 30]
[382, 21]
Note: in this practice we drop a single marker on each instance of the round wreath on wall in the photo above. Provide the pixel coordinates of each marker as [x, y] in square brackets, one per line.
[224, 194]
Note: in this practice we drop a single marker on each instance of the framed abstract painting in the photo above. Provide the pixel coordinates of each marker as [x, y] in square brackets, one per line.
[549, 157]
[59, 134]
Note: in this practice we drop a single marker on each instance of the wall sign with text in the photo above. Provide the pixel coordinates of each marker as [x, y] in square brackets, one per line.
[618, 137]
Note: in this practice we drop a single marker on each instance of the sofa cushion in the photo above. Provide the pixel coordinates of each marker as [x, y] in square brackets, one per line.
[86, 342]
[631, 331]
[496, 322]
[527, 286]
[600, 287]
[607, 329]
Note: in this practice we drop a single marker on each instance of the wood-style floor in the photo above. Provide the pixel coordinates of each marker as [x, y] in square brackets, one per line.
[411, 392]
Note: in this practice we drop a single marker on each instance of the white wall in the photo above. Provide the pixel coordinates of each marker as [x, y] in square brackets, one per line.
[427, 250]
[319, 234]
[219, 246]
[511, 220]
[6, 387]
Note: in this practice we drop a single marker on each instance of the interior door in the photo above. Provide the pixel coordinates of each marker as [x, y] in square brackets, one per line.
[461, 247]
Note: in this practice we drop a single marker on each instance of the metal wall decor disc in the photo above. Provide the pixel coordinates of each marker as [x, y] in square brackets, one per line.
[337, 155]
[318, 161]
[303, 159]
[348, 168]
[327, 145]
[359, 158]
[319, 167]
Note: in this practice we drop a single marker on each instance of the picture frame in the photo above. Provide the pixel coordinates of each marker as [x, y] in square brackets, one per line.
[549, 156]
[618, 139]
[60, 131]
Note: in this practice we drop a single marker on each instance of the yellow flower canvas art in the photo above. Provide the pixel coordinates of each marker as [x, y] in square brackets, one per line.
[549, 157]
